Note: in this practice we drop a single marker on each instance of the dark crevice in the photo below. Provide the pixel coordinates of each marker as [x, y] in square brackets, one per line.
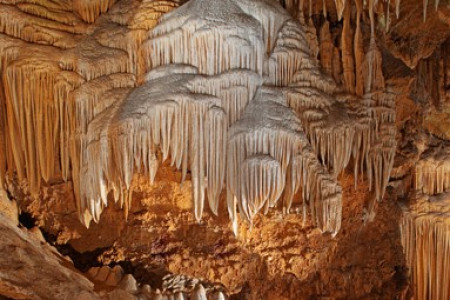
[26, 220]
[82, 261]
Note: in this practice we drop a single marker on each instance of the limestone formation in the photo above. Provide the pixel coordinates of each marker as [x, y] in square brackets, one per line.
[108, 130]
[208, 149]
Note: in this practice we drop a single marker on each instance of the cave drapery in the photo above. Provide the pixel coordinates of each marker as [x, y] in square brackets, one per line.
[264, 109]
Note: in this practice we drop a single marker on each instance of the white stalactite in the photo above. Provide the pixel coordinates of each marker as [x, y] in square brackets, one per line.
[193, 89]
[269, 138]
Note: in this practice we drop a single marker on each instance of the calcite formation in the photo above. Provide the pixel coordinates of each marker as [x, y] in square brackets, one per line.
[263, 110]
[425, 226]
[425, 236]
[237, 99]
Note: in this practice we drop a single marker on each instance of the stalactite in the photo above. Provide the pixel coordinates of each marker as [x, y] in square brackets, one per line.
[358, 49]
[310, 10]
[150, 12]
[326, 48]
[428, 77]
[3, 146]
[260, 141]
[432, 172]
[277, 148]
[289, 54]
[348, 63]
[89, 10]
[199, 128]
[31, 118]
[340, 7]
[372, 69]
[425, 229]
[371, 5]
[219, 50]
[75, 84]
[370, 141]
[301, 13]
[425, 8]
[337, 66]
[397, 8]
[112, 112]
[33, 28]
[381, 157]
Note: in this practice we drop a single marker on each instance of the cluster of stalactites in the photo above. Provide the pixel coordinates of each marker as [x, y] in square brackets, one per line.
[53, 91]
[350, 129]
[55, 105]
[310, 6]
[426, 244]
[361, 71]
[270, 159]
[90, 10]
[185, 116]
[290, 54]
[31, 125]
[368, 127]
[212, 47]
[432, 173]
[205, 108]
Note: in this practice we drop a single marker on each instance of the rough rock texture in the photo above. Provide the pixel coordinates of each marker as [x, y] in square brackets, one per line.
[31, 269]
[284, 123]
